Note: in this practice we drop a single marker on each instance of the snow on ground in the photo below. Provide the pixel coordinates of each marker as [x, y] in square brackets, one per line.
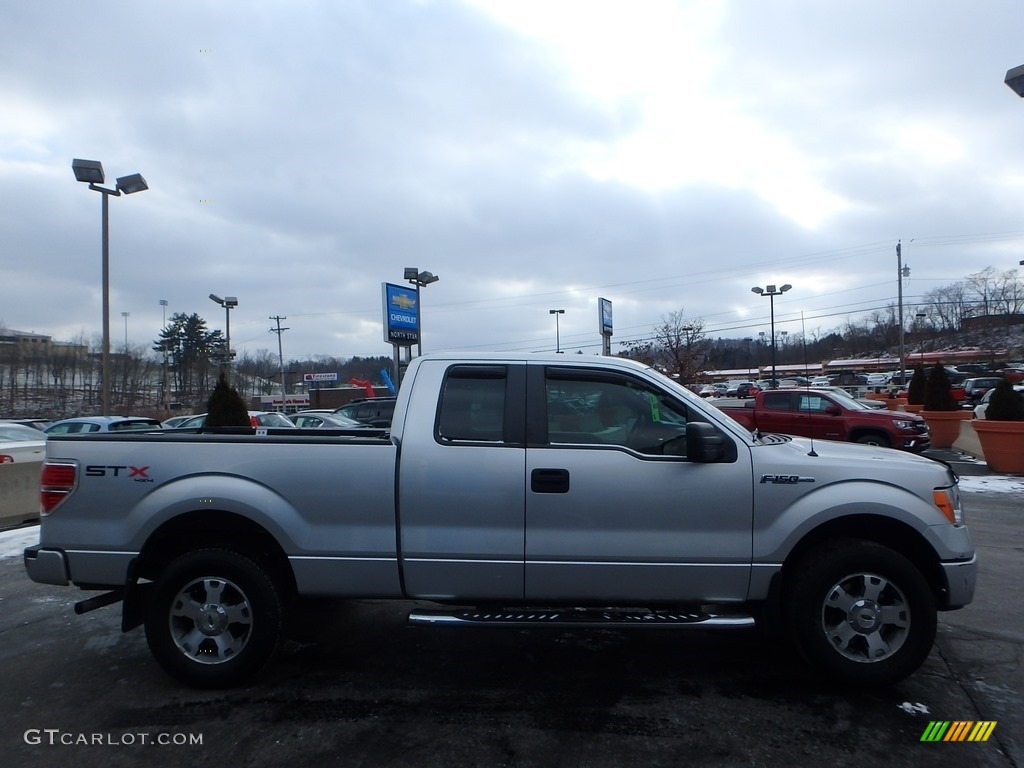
[13, 542]
[993, 484]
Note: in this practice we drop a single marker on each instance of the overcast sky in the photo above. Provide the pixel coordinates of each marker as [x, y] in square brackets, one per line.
[534, 155]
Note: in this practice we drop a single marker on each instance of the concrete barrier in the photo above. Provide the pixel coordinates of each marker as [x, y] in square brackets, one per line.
[968, 442]
[19, 492]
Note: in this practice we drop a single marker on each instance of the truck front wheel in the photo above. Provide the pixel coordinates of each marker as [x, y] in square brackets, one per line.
[215, 618]
[861, 612]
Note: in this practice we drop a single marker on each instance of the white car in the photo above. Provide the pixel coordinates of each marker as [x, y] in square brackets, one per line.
[982, 406]
[19, 443]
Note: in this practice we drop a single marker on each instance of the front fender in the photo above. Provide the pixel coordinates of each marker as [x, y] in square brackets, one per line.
[777, 534]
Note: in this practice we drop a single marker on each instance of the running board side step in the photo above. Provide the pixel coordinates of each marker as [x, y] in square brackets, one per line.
[583, 618]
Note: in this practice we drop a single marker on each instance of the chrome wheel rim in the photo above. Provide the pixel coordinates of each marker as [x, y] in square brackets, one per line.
[865, 617]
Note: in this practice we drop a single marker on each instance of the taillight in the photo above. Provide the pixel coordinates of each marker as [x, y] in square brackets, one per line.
[56, 483]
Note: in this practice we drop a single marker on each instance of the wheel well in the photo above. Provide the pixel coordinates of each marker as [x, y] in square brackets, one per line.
[881, 530]
[210, 529]
[857, 434]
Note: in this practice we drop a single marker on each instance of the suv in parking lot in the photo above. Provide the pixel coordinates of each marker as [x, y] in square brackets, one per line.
[976, 388]
[375, 411]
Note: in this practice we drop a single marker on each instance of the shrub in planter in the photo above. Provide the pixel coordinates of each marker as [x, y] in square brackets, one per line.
[937, 396]
[226, 408]
[915, 389]
[1005, 404]
[1001, 432]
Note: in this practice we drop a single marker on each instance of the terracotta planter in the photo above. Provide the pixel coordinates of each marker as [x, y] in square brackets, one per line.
[913, 407]
[945, 426]
[1002, 443]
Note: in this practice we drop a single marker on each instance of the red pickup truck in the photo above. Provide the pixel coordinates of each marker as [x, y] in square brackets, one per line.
[830, 416]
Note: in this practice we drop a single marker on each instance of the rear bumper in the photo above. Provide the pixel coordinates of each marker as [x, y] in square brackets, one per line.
[97, 568]
[46, 566]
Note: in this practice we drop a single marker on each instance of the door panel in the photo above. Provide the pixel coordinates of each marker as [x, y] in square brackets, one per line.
[634, 521]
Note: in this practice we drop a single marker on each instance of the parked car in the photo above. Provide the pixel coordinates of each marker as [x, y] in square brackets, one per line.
[708, 390]
[256, 419]
[747, 389]
[976, 388]
[982, 406]
[19, 443]
[317, 419]
[101, 424]
[175, 421]
[732, 387]
[375, 411]
[39, 424]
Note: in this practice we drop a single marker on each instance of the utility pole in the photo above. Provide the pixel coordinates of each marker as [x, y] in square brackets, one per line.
[280, 354]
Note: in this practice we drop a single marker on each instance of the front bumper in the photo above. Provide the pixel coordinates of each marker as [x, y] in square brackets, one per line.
[961, 577]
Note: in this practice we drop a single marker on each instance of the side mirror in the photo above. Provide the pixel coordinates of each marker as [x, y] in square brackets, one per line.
[833, 410]
[704, 443]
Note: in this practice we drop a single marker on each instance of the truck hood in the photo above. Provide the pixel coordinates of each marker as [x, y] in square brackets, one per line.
[851, 460]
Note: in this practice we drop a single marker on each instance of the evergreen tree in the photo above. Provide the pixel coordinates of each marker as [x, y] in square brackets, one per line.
[226, 408]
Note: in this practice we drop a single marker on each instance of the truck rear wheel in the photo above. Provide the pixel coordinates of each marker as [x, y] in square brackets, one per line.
[861, 612]
[215, 618]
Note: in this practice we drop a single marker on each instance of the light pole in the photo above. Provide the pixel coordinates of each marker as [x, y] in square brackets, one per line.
[901, 272]
[558, 340]
[419, 279]
[227, 302]
[771, 292]
[91, 172]
[163, 348]
[125, 315]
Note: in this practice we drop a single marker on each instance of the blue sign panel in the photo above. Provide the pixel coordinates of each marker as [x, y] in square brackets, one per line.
[604, 312]
[401, 315]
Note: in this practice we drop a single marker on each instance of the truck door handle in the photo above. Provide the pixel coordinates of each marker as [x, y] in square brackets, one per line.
[549, 481]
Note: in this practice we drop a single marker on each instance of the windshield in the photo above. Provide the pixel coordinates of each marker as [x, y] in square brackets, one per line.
[842, 397]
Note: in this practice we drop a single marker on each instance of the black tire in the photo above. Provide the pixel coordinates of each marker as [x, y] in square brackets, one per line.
[861, 612]
[875, 439]
[215, 618]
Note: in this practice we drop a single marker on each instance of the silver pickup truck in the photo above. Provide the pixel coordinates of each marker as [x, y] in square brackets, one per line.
[511, 491]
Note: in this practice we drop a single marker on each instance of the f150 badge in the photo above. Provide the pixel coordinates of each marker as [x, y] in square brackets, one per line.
[785, 479]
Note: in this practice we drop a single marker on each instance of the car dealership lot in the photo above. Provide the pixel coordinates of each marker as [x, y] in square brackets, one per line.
[356, 686]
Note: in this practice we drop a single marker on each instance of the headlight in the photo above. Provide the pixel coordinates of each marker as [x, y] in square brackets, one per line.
[903, 424]
[948, 502]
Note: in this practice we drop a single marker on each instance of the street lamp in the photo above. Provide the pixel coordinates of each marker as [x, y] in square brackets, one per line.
[227, 302]
[558, 341]
[125, 315]
[419, 279]
[901, 272]
[771, 292]
[163, 348]
[1015, 79]
[91, 173]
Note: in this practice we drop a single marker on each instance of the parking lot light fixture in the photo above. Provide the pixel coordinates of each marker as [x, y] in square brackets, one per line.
[228, 302]
[1015, 79]
[420, 280]
[771, 292]
[91, 172]
[558, 340]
